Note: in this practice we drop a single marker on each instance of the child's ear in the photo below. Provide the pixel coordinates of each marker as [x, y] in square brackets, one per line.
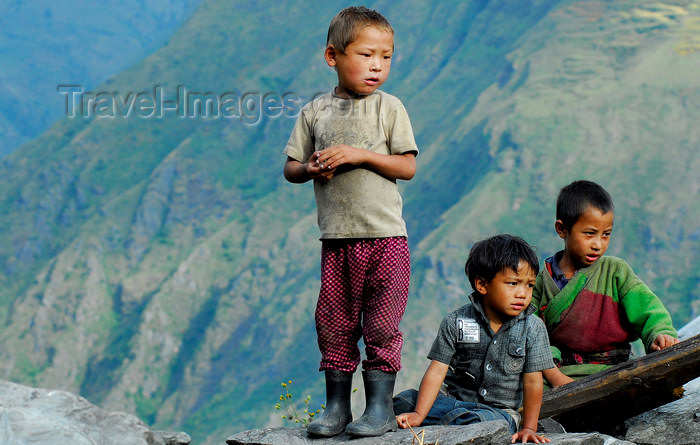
[330, 54]
[561, 229]
[480, 285]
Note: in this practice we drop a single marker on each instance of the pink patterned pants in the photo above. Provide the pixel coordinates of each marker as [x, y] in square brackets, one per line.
[364, 290]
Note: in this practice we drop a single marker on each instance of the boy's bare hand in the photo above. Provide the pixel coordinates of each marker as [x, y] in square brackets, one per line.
[408, 419]
[317, 170]
[337, 155]
[528, 435]
[663, 341]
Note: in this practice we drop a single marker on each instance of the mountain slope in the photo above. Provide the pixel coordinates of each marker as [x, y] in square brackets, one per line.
[163, 266]
[613, 111]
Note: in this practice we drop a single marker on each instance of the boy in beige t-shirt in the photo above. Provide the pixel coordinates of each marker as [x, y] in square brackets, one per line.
[354, 143]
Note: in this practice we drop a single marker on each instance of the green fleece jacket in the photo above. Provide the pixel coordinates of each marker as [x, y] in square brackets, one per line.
[604, 306]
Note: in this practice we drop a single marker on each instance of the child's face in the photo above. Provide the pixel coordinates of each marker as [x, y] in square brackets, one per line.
[588, 238]
[366, 63]
[508, 293]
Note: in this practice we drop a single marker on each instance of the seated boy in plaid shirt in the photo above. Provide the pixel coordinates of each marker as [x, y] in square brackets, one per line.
[488, 356]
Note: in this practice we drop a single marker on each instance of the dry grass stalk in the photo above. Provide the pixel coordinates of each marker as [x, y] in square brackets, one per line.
[420, 437]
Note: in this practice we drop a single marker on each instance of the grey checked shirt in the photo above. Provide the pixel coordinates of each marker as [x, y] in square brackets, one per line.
[486, 367]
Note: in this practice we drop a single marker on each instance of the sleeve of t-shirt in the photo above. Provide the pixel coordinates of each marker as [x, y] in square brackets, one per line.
[300, 145]
[400, 133]
[443, 348]
[537, 355]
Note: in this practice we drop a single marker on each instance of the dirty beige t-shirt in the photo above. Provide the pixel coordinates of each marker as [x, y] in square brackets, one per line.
[356, 202]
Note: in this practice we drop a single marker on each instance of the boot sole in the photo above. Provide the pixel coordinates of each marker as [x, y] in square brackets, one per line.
[378, 432]
[329, 433]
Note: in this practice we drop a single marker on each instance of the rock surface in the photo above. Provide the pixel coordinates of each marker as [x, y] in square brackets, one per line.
[174, 437]
[481, 433]
[676, 423]
[486, 433]
[38, 416]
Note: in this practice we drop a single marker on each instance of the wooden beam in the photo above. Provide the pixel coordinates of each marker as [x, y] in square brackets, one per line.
[602, 401]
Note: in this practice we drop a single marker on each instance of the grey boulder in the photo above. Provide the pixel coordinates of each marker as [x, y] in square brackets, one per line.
[38, 416]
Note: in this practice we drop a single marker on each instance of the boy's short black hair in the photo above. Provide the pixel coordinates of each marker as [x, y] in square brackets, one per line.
[496, 254]
[347, 24]
[576, 197]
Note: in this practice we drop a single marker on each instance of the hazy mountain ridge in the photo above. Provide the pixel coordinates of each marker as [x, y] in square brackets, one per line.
[164, 267]
[71, 43]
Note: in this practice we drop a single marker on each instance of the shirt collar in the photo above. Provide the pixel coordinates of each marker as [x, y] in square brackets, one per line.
[552, 264]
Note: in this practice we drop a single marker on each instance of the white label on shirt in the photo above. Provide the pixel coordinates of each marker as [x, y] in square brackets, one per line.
[467, 330]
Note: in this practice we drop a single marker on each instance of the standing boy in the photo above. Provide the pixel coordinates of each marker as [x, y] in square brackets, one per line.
[594, 305]
[490, 352]
[354, 143]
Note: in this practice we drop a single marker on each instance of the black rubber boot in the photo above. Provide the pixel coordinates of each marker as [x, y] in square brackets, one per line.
[337, 413]
[378, 417]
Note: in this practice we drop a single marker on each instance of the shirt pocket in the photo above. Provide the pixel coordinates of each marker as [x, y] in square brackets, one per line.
[466, 362]
[515, 359]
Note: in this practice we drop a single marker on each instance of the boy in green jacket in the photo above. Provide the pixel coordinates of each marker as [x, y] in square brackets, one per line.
[594, 305]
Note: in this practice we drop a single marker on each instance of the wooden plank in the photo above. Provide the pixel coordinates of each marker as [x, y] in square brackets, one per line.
[601, 401]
